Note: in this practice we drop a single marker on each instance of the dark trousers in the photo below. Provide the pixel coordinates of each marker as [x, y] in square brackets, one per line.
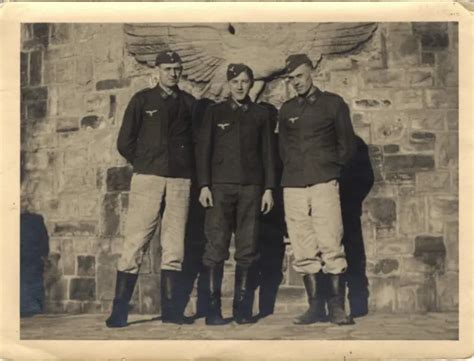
[236, 209]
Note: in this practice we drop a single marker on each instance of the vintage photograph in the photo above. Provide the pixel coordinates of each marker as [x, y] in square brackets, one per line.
[239, 181]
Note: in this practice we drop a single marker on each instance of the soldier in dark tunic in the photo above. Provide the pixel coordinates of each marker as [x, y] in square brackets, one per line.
[156, 137]
[316, 140]
[236, 173]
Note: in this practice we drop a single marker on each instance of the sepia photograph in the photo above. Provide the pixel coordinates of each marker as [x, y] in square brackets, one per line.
[239, 181]
[236, 186]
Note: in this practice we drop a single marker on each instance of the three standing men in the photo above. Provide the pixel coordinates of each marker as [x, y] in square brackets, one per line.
[235, 165]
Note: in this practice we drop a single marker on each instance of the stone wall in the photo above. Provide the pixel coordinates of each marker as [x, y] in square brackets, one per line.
[76, 80]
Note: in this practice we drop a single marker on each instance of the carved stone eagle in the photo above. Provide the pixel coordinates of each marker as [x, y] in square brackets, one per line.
[207, 49]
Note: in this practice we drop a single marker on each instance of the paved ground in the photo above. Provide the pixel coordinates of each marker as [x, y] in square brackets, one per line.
[432, 326]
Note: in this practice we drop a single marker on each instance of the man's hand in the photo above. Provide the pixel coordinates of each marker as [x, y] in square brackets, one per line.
[205, 197]
[267, 201]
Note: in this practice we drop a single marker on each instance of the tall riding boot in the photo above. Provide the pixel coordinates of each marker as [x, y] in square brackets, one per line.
[244, 289]
[337, 314]
[171, 303]
[214, 313]
[314, 313]
[124, 286]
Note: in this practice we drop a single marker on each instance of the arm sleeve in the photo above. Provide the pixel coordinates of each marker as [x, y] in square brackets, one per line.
[127, 137]
[346, 140]
[204, 150]
[269, 152]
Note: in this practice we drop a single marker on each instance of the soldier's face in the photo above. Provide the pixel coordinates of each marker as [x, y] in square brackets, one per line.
[240, 86]
[169, 74]
[300, 78]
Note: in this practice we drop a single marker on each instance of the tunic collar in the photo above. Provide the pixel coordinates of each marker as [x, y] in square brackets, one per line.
[173, 92]
[245, 105]
[313, 95]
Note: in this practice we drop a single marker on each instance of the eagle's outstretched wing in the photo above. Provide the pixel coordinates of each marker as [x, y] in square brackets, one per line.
[321, 39]
[202, 51]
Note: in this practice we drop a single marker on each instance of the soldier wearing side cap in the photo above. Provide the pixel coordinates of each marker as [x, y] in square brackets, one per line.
[316, 140]
[156, 137]
[235, 158]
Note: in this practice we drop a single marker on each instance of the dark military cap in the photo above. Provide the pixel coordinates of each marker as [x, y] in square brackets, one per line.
[167, 57]
[234, 70]
[295, 60]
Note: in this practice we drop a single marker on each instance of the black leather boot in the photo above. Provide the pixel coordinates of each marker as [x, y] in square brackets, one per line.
[172, 307]
[337, 314]
[214, 311]
[316, 311]
[124, 286]
[244, 290]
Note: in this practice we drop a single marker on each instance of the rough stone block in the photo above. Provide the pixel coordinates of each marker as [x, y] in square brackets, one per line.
[426, 119]
[97, 103]
[420, 78]
[408, 162]
[60, 33]
[102, 146]
[106, 277]
[119, 178]
[112, 84]
[37, 109]
[442, 98]
[376, 160]
[64, 72]
[403, 50]
[383, 79]
[91, 122]
[408, 99]
[67, 257]
[75, 158]
[290, 294]
[386, 267]
[447, 150]
[82, 289]
[408, 278]
[53, 307]
[429, 182]
[67, 124]
[427, 58]
[77, 179]
[429, 27]
[407, 299]
[434, 41]
[442, 209]
[84, 71]
[56, 289]
[86, 266]
[422, 140]
[453, 120]
[111, 215]
[390, 129]
[411, 215]
[382, 211]
[91, 307]
[34, 94]
[413, 265]
[75, 228]
[383, 293]
[426, 296]
[447, 287]
[72, 307]
[391, 148]
[36, 67]
[82, 246]
[430, 250]
[24, 60]
[452, 246]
